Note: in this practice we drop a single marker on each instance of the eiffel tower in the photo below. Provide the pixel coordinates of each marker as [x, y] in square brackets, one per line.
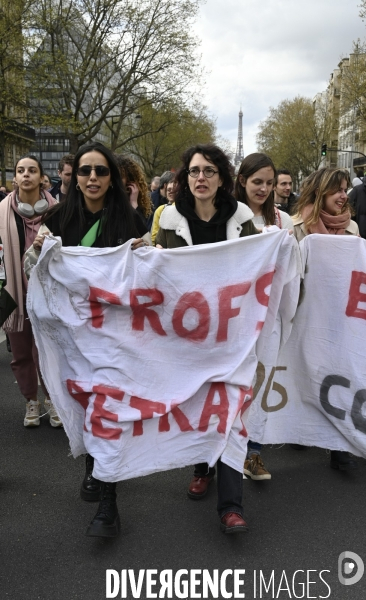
[239, 146]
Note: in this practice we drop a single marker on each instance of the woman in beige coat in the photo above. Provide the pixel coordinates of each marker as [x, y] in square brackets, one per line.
[324, 208]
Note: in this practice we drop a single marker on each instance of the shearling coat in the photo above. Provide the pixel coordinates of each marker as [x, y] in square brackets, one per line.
[174, 228]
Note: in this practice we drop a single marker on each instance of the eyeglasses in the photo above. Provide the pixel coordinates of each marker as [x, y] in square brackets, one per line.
[100, 171]
[207, 171]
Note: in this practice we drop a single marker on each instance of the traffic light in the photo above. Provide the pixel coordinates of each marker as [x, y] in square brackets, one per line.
[324, 149]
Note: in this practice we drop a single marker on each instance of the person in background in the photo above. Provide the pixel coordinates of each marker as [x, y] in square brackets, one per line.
[323, 207]
[206, 212]
[134, 181]
[284, 198]
[170, 194]
[46, 183]
[59, 190]
[20, 219]
[254, 187]
[159, 196]
[155, 183]
[358, 180]
[357, 198]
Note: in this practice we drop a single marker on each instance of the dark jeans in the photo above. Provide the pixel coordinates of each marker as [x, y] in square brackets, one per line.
[229, 486]
[254, 447]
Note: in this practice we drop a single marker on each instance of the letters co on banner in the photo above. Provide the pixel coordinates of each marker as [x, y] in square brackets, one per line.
[142, 349]
[315, 393]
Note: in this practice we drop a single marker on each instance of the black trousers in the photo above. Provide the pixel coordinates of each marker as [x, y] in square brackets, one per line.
[229, 486]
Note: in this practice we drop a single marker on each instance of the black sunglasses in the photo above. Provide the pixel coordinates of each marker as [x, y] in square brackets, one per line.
[100, 171]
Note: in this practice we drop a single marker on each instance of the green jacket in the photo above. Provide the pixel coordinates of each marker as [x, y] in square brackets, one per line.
[174, 228]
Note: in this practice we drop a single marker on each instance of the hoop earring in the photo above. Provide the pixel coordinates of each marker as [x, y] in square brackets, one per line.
[77, 186]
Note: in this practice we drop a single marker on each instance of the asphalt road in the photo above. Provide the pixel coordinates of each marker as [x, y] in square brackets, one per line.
[301, 520]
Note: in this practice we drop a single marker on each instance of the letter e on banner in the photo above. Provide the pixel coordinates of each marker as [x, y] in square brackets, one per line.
[355, 296]
[99, 413]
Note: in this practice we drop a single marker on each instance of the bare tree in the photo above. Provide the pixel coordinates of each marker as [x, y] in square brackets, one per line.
[168, 130]
[100, 62]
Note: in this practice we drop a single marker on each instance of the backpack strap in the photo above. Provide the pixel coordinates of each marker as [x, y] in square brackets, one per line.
[278, 220]
[90, 236]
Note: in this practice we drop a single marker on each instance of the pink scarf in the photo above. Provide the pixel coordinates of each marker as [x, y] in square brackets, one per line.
[330, 224]
[16, 283]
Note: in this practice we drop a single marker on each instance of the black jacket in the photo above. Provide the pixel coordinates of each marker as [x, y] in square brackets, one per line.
[357, 199]
[289, 207]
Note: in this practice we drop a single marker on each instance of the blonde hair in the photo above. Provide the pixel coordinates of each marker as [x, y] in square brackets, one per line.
[316, 188]
[131, 171]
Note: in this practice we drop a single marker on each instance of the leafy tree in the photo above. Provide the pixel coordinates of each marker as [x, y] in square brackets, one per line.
[293, 133]
[353, 77]
[168, 130]
[13, 105]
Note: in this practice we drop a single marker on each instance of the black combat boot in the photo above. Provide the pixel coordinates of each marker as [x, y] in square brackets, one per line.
[106, 522]
[91, 488]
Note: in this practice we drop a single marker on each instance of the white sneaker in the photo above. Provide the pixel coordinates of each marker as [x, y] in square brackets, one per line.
[31, 418]
[55, 420]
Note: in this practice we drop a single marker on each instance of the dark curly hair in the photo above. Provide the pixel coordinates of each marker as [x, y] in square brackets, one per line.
[219, 159]
[132, 172]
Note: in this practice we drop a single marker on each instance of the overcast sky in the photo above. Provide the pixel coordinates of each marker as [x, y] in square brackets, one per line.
[259, 52]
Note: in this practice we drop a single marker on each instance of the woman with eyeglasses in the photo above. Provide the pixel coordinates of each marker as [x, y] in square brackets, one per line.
[96, 213]
[206, 212]
[21, 213]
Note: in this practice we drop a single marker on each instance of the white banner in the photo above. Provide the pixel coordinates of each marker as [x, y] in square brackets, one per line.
[149, 356]
[315, 393]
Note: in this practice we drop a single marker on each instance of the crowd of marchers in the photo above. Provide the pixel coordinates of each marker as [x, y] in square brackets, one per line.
[103, 200]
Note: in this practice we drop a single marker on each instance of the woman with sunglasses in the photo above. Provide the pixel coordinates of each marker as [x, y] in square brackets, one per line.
[20, 219]
[97, 213]
[206, 212]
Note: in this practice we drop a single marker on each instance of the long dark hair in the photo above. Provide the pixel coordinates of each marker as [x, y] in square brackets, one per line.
[118, 219]
[219, 159]
[250, 165]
